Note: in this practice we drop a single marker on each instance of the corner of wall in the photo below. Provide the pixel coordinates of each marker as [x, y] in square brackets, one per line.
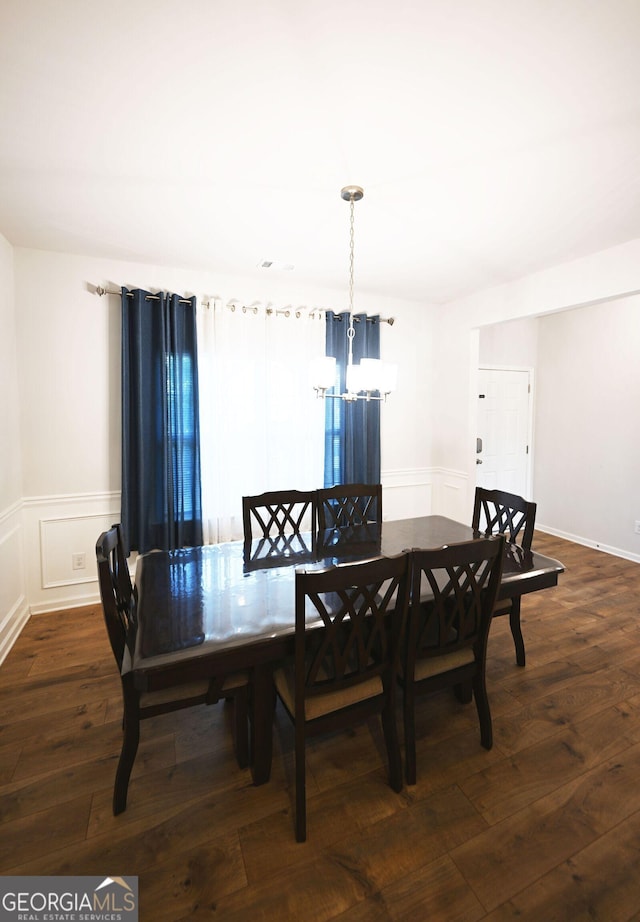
[14, 606]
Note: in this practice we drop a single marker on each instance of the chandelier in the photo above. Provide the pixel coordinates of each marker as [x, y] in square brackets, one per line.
[372, 379]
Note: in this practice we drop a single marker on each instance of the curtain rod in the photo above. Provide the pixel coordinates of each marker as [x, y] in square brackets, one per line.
[252, 308]
[110, 291]
[288, 311]
[356, 319]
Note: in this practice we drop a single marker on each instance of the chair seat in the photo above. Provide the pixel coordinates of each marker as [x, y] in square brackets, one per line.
[434, 665]
[319, 705]
[190, 690]
[235, 680]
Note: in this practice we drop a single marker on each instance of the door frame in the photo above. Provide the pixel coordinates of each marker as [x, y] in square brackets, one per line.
[487, 366]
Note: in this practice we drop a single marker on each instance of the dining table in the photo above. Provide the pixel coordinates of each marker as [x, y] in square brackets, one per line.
[221, 608]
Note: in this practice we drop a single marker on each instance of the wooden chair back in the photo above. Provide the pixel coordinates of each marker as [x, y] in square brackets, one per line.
[118, 595]
[496, 511]
[453, 591]
[349, 505]
[343, 633]
[277, 525]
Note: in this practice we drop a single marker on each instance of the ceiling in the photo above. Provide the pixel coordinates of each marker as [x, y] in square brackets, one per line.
[493, 138]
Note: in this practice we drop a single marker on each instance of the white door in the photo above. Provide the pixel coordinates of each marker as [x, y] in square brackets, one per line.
[503, 461]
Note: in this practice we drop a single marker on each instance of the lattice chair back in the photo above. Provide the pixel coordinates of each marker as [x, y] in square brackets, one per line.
[277, 525]
[353, 643]
[453, 592]
[496, 511]
[349, 505]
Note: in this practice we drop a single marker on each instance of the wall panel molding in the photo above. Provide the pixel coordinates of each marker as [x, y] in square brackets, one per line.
[60, 537]
[57, 536]
[426, 491]
[451, 494]
[407, 493]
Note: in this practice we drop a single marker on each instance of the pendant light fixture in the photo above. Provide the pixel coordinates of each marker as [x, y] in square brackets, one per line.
[372, 379]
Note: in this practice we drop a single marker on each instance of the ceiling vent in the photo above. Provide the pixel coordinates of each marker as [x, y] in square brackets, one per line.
[275, 264]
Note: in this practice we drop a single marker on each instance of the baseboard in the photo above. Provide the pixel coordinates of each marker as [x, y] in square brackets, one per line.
[589, 542]
[88, 601]
[12, 626]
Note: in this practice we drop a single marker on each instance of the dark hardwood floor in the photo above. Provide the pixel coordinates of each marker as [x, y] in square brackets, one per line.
[545, 826]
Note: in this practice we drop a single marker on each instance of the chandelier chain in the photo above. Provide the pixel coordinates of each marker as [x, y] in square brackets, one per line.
[371, 379]
[351, 332]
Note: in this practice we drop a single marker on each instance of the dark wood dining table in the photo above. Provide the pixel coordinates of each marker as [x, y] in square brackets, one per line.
[220, 608]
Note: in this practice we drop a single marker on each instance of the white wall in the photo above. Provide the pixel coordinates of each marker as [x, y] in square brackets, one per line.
[13, 594]
[68, 341]
[513, 343]
[587, 479]
[584, 283]
[10, 461]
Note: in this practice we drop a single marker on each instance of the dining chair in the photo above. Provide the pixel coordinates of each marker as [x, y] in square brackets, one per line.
[495, 511]
[348, 624]
[119, 605]
[349, 505]
[278, 525]
[453, 592]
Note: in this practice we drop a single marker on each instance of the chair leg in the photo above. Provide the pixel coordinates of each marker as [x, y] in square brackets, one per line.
[484, 712]
[516, 631]
[131, 727]
[409, 733]
[464, 692]
[301, 793]
[393, 745]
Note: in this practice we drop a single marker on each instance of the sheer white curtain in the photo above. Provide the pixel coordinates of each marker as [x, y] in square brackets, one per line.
[261, 425]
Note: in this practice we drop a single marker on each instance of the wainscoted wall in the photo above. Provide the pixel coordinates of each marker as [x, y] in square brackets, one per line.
[426, 491]
[47, 543]
[60, 535]
[407, 493]
[453, 496]
[14, 605]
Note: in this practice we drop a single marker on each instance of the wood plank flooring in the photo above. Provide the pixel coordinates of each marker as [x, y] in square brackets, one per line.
[545, 826]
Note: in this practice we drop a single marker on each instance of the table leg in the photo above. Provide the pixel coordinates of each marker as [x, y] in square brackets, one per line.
[262, 710]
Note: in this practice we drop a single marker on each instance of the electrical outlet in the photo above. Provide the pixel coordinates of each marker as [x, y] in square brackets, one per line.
[637, 527]
[78, 561]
